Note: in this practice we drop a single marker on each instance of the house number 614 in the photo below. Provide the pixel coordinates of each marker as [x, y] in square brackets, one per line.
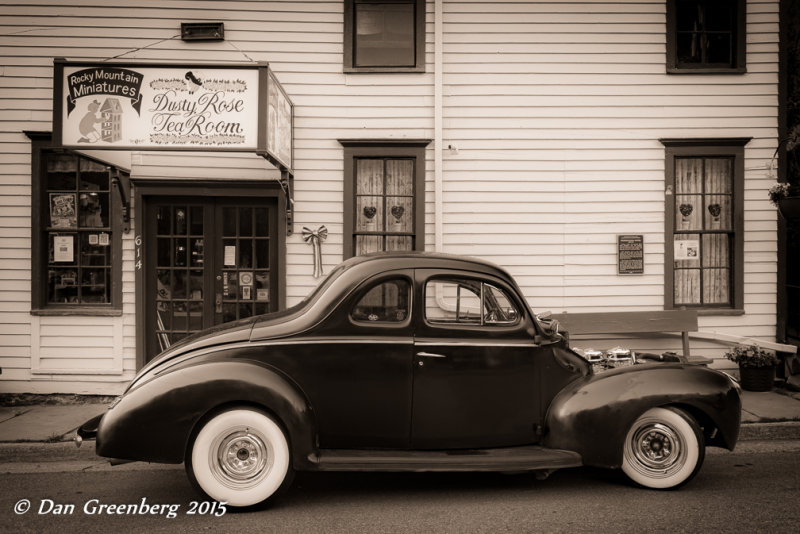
[137, 241]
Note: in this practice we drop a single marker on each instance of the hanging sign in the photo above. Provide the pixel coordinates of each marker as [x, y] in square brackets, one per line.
[630, 254]
[125, 106]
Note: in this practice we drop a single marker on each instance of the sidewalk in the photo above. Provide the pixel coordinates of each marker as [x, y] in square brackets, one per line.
[769, 415]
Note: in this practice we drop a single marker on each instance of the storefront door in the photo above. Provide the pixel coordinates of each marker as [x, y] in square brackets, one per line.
[208, 261]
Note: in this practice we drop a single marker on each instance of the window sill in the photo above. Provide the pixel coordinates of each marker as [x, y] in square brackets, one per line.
[383, 70]
[719, 311]
[706, 70]
[77, 311]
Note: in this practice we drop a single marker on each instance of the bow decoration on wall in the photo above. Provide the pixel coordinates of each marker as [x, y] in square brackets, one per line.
[316, 237]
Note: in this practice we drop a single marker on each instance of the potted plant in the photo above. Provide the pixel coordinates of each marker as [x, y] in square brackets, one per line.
[787, 199]
[756, 366]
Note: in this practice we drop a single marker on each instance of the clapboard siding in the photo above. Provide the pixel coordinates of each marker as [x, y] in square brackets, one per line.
[555, 107]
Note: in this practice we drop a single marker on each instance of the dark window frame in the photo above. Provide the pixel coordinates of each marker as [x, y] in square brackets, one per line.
[349, 37]
[42, 144]
[354, 149]
[739, 44]
[706, 148]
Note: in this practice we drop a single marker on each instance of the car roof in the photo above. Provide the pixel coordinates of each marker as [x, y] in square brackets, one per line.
[379, 261]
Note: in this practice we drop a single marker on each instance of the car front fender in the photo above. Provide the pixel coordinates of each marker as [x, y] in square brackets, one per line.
[156, 421]
[592, 415]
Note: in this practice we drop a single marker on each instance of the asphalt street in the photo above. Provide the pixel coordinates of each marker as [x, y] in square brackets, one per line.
[755, 489]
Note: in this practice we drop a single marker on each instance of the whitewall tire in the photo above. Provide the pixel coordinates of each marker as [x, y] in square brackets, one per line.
[241, 457]
[664, 449]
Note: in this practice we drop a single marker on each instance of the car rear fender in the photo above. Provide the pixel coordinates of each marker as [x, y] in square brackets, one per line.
[592, 415]
[156, 421]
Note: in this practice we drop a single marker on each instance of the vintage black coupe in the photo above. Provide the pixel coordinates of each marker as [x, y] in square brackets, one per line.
[409, 362]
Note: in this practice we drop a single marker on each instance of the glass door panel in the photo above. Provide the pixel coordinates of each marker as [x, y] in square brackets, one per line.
[246, 263]
[180, 276]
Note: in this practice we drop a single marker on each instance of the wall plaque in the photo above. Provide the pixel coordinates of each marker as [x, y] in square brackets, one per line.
[630, 254]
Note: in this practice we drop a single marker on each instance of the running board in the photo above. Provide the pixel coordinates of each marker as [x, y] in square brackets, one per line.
[528, 458]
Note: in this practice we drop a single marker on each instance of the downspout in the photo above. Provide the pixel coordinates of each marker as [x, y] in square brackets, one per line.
[437, 125]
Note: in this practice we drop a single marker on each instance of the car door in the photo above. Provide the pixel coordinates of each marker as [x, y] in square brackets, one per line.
[474, 365]
[357, 368]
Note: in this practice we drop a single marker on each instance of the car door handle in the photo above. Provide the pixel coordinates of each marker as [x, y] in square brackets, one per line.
[430, 355]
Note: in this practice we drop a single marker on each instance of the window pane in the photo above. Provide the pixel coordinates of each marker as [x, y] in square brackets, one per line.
[718, 212]
[94, 177]
[449, 301]
[196, 220]
[719, 15]
[386, 302]
[716, 290]
[262, 222]
[93, 210]
[180, 221]
[369, 214]
[245, 221]
[688, 212]
[400, 216]
[498, 308]
[718, 176]
[61, 172]
[163, 220]
[689, 47]
[688, 175]
[400, 177]
[718, 48]
[369, 177]
[399, 243]
[689, 15]
[687, 287]
[715, 250]
[229, 222]
[384, 35]
[368, 243]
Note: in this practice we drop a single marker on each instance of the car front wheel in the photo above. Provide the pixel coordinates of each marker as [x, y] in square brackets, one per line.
[241, 457]
[664, 449]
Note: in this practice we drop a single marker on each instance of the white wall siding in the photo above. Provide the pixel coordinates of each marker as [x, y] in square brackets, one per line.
[556, 109]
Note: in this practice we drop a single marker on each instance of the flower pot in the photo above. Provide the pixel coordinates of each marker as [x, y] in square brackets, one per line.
[790, 208]
[757, 378]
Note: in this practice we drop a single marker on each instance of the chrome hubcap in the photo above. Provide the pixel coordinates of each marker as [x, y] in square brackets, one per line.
[658, 449]
[240, 458]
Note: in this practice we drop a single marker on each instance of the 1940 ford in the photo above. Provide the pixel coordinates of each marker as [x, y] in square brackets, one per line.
[409, 362]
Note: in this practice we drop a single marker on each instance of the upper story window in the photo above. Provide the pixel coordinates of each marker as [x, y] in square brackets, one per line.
[384, 195]
[468, 302]
[384, 36]
[705, 186]
[705, 36]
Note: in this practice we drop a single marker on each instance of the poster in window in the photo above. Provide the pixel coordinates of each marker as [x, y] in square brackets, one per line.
[687, 249]
[63, 249]
[62, 210]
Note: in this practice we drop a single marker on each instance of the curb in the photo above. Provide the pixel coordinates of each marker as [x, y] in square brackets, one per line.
[783, 430]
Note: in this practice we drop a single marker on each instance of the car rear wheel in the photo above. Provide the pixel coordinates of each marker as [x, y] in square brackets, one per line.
[241, 457]
[664, 449]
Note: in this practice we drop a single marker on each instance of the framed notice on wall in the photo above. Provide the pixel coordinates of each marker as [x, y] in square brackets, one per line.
[630, 254]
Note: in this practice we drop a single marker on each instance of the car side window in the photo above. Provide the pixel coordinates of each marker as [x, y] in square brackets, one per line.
[386, 302]
[468, 302]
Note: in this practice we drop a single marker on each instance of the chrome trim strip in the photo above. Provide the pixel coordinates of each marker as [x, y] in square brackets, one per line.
[463, 344]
